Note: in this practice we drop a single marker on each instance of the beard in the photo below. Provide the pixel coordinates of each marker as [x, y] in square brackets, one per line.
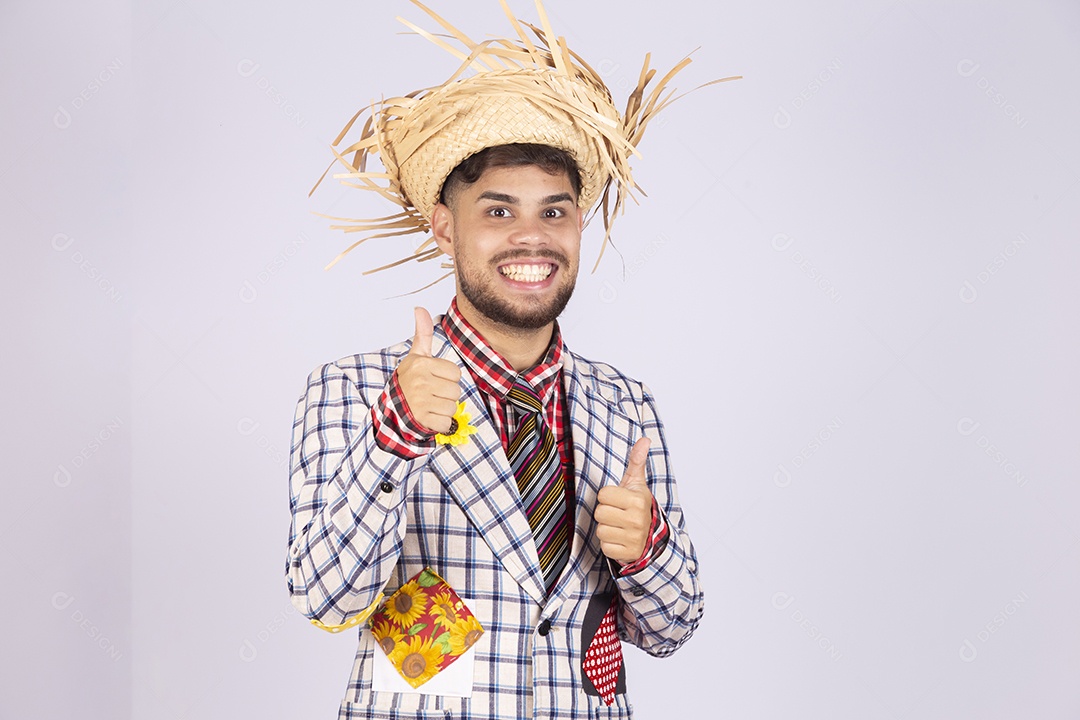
[529, 313]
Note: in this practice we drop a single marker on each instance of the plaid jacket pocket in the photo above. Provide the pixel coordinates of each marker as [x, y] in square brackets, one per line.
[424, 627]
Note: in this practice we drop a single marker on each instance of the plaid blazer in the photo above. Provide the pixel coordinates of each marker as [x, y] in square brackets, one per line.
[365, 521]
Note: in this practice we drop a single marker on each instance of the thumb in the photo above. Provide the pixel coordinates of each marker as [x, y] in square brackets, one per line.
[421, 344]
[634, 477]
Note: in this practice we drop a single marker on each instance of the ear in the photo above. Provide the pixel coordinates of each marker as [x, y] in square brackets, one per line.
[442, 228]
[580, 220]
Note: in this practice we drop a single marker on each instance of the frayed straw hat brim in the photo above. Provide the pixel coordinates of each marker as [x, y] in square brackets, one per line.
[519, 91]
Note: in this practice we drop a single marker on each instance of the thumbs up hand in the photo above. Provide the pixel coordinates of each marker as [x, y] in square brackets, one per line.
[430, 384]
[624, 512]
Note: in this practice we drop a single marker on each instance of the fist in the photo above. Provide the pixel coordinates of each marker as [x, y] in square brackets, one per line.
[430, 384]
[624, 512]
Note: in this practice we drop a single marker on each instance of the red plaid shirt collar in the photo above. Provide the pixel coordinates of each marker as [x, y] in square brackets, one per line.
[492, 372]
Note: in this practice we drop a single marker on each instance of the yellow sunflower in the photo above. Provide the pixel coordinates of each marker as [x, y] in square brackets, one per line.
[387, 634]
[406, 605]
[464, 633]
[446, 609]
[460, 429]
[417, 660]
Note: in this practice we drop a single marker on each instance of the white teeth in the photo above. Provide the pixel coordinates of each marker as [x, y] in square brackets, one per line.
[526, 273]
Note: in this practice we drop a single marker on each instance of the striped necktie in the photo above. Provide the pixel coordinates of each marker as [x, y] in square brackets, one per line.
[534, 457]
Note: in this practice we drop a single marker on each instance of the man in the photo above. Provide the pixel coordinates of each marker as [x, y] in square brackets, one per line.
[513, 500]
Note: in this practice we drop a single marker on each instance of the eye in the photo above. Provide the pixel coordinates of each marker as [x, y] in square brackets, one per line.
[554, 212]
[499, 212]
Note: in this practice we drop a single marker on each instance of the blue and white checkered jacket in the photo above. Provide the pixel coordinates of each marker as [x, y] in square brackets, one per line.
[364, 521]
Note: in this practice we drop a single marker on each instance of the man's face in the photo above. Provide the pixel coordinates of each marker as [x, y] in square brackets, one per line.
[515, 236]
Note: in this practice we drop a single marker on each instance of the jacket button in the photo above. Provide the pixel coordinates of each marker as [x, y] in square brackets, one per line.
[544, 628]
[386, 486]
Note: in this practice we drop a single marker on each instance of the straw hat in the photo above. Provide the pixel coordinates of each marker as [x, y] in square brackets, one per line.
[519, 91]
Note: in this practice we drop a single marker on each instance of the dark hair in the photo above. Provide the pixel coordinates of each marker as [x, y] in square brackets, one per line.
[549, 159]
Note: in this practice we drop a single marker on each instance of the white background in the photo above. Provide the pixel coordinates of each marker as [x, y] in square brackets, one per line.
[852, 288]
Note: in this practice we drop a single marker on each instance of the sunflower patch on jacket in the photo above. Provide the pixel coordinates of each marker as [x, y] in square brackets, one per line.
[424, 627]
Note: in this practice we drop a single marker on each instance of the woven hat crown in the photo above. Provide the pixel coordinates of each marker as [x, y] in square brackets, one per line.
[485, 114]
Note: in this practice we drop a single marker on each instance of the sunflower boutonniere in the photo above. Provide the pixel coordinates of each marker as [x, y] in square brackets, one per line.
[460, 429]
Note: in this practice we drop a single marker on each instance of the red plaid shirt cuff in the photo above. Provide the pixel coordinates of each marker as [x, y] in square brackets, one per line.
[396, 430]
[654, 545]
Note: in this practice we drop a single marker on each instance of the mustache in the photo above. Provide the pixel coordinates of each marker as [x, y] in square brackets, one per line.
[546, 253]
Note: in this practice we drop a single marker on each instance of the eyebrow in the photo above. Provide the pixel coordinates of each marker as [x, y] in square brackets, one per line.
[498, 197]
[511, 200]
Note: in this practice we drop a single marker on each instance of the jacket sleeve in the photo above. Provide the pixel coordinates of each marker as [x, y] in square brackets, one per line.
[347, 498]
[662, 603]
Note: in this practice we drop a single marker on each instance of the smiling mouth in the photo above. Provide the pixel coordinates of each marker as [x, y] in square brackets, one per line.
[527, 272]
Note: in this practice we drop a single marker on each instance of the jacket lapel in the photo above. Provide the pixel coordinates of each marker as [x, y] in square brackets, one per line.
[603, 434]
[478, 476]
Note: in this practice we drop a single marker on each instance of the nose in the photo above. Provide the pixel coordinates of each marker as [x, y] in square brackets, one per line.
[529, 230]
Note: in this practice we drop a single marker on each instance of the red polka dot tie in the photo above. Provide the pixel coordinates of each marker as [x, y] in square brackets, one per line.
[603, 660]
